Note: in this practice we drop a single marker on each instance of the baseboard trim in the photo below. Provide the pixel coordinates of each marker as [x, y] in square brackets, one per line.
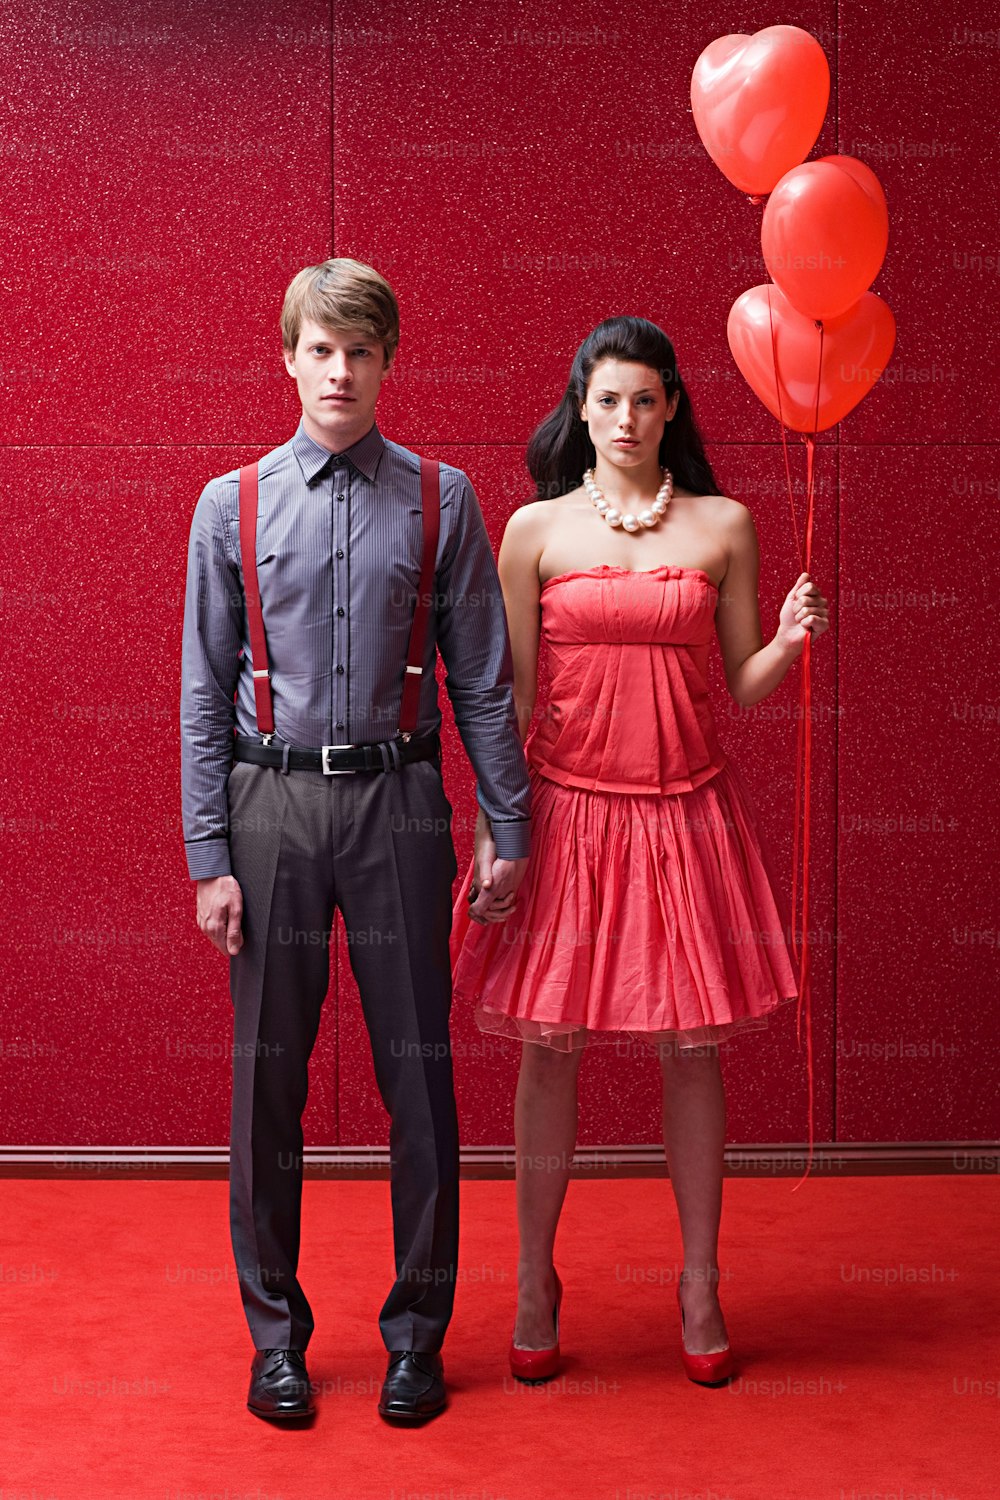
[357, 1163]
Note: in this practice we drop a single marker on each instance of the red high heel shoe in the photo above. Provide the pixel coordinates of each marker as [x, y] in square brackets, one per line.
[538, 1364]
[705, 1369]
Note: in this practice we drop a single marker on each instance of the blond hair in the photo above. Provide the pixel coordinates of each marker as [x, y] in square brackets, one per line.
[341, 294]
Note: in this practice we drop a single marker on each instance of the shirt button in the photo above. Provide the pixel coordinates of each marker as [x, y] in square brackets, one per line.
[340, 669]
[340, 609]
[340, 497]
[340, 723]
[340, 551]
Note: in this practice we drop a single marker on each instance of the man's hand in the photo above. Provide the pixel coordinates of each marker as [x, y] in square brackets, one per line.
[493, 893]
[220, 908]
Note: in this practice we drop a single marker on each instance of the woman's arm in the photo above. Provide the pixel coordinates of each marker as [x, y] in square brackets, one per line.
[754, 670]
[517, 564]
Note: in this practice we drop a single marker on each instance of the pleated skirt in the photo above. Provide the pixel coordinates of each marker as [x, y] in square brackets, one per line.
[656, 919]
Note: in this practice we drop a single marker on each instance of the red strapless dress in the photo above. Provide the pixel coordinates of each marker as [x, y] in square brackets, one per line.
[650, 905]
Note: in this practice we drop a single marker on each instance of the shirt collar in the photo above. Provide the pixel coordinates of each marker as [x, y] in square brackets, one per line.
[314, 460]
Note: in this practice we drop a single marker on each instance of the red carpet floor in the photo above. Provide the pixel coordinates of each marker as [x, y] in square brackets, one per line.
[864, 1314]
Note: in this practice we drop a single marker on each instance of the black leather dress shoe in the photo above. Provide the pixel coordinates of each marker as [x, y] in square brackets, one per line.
[279, 1384]
[413, 1389]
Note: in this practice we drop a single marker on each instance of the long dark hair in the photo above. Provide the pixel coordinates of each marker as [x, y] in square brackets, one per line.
[560, 448]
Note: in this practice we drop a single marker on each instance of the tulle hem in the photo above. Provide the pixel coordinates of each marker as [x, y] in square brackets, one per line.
[658, 918]
[572, 1036]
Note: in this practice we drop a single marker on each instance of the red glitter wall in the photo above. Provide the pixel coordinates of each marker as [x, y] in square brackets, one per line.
[517, 172]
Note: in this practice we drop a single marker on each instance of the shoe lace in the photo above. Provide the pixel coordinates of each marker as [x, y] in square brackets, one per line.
[296, 1356]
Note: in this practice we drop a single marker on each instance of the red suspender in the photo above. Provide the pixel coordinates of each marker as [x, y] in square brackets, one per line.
[258, 644]
[430, 501]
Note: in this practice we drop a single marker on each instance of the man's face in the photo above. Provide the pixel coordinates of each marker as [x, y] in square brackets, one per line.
[339, 375]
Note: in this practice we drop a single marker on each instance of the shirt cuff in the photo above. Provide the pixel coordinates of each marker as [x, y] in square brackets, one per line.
[512, 840]
[208, 858]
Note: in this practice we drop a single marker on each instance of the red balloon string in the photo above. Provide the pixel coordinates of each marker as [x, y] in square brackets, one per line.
[781, 424]
[803, 779]
[803, 753]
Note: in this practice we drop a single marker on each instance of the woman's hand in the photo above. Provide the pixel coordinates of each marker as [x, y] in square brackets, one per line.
[803, 613]
[493, 893]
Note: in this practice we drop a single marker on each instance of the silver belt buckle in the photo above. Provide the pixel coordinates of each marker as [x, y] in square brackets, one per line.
[329, 770]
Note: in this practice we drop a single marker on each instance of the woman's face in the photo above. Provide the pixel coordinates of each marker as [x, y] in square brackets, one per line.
[625, 410]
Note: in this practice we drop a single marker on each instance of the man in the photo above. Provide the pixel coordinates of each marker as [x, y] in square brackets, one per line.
[303, 822]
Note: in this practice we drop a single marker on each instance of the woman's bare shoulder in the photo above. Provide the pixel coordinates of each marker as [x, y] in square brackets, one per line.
[532, 518]
[721, 513]
[524, 536]
[723, 504]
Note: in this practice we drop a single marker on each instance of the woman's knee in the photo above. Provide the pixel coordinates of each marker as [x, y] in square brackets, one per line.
[680, 1062]
[539, 1061]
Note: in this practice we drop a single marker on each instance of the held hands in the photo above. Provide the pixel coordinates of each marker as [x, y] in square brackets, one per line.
[803, 613]
[220, 908]
[493, 893]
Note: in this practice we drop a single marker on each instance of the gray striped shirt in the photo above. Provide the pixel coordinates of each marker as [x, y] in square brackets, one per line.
[339, 543]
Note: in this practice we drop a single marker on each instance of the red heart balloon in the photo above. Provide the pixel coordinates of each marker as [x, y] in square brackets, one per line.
[862, 174]
[824, 234]
[759, 101]
[805, 394]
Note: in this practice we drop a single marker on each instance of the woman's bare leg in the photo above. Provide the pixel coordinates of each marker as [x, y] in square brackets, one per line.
[694, 1135]
[545, 1123]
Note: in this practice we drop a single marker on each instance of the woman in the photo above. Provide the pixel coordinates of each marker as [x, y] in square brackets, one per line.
[649, 908]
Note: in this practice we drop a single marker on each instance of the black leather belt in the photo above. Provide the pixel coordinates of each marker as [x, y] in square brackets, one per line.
[340, 760]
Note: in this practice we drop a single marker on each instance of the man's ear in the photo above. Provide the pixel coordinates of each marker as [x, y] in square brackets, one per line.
[289, 356]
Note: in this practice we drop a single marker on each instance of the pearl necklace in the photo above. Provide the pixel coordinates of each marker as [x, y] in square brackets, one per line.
[629, 522]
